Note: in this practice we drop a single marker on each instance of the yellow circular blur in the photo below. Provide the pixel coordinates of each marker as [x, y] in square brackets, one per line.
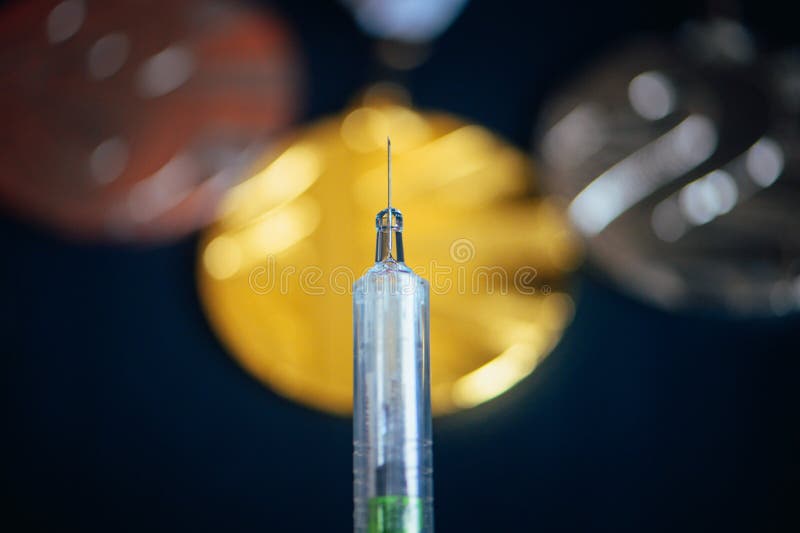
[276, 269]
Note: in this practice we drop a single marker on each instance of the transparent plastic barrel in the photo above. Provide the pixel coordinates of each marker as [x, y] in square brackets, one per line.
[392, 462]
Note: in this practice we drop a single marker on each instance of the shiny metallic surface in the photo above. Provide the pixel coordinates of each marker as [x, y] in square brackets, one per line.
[678, 162]
[276, 271]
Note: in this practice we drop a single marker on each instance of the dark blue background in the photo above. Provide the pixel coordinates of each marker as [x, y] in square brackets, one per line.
[122, 412]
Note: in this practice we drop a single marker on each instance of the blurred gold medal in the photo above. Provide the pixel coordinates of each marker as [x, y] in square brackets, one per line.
[276, 270]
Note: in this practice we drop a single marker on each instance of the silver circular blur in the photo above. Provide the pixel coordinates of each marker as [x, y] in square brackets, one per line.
[409, 21]
[680, 167]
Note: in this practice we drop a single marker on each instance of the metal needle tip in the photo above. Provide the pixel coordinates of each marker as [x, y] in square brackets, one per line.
[389, 187]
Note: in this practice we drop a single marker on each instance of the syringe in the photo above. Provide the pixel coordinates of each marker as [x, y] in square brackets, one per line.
[392, 463]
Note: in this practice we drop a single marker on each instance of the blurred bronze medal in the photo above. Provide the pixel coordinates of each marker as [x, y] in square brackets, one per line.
[127, 120]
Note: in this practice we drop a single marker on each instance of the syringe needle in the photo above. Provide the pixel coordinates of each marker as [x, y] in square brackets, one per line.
[389, 191]
[389, 167]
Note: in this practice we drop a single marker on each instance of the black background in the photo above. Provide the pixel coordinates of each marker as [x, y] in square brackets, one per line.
[122, 412]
